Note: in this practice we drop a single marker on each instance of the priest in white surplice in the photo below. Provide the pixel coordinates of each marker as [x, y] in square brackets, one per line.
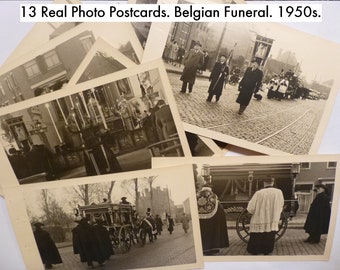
[265, 206]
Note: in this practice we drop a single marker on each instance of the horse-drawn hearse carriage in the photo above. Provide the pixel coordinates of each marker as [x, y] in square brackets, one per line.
[121, 220]
[235, 185]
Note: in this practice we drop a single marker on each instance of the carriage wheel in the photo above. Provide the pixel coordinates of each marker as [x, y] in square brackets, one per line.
[283, 224]
[142, 237]
[124, 239]
[243, 221]
[242, 225]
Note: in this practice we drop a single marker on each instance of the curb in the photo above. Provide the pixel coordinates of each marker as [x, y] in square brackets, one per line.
[180, 72]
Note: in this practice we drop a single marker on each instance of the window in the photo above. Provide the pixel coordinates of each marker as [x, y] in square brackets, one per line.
[305, 165]
[32, 68]
[51, 59]
[86, 42]
[331, 164]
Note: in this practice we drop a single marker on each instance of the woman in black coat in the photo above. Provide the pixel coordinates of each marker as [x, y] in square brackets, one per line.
[249, 85]
[218, 78]
[48, 251]
[318, 217]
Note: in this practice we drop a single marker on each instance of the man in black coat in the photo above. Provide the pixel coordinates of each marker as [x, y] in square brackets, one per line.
[105, 248]
[86, 243]
[318, 217]
[218, 78]
[48, 251]
[249, 85]
[192, 62]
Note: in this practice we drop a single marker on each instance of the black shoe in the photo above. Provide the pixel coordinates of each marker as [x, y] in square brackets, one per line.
[313, 242]
[208, 100]
[308, 240]
[182, 91]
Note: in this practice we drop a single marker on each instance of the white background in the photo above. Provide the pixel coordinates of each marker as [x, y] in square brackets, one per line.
[11, 32]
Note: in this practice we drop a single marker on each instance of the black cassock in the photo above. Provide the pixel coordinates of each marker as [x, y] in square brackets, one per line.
[317, 221]
[218, 78]
[213, 224]
[105, 249]
[249, 85]
[85, 243]
[48, 251]
[214, 232]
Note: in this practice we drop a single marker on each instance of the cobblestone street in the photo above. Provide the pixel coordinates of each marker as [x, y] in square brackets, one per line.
[287, 125]
[290, 244]
[165, 251]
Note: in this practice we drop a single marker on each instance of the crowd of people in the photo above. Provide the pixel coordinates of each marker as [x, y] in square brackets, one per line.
[93, 240]
[284, 85]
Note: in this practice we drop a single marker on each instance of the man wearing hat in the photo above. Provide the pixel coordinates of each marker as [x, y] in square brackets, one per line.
[124, 201]
[249, 84]
[218, 78]
[192, 62]
[317, 221]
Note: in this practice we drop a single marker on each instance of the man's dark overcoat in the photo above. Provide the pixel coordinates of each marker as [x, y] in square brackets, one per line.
[86, 242]
[105, 249]
[192, 62]
[317, 221]
[218, 78]
[249, 85]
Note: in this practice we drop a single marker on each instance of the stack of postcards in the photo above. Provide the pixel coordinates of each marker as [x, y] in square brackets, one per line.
[169, 145]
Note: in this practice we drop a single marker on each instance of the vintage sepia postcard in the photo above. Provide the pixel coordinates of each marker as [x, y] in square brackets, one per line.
[243, 217]
[49, 67]
[111, 124]
[203, 147]
[101, 59]
[115, 222]
[282, 109]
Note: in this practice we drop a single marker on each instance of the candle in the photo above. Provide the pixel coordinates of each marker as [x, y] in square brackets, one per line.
[62, 113]
[92, 110]
[84, 103]
[56, 130]
[75, 120]
[71, 101]
[80, 113]
[94, 95]
[102, 116]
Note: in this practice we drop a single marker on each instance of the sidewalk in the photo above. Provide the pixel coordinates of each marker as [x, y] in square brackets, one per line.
[178, 70]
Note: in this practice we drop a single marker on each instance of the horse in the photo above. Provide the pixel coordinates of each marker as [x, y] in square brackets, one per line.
[147, 226]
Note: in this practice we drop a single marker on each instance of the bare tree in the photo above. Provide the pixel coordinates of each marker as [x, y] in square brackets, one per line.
[53, 213]
[150, 180]
[82, 192]
[109, 192]
[90, 193]
[44, 203]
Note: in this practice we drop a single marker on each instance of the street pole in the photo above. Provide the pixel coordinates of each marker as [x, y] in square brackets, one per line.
[295, 171]
[220, 41]
[168, 199]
